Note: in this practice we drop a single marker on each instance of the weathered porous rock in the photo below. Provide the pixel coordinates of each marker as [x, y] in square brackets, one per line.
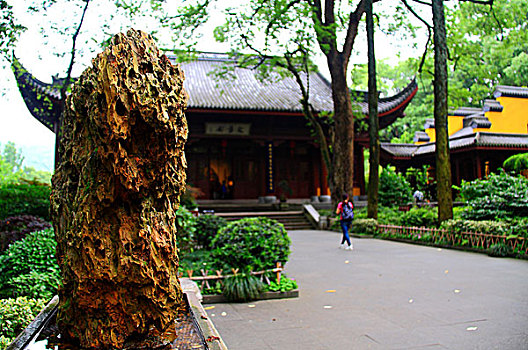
[115, 193]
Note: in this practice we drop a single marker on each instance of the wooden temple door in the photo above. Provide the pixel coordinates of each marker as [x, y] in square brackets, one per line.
[294, 174]
[247, 180]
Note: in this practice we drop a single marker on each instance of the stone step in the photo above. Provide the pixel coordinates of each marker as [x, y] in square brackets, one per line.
[293, 220]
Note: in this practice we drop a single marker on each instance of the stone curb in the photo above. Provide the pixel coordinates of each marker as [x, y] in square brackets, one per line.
[219, 298]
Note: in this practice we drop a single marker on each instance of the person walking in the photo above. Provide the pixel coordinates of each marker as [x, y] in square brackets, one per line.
[345, 209]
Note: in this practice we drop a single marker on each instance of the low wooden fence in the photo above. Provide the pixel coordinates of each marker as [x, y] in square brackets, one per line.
[464, 239]
[204, 278]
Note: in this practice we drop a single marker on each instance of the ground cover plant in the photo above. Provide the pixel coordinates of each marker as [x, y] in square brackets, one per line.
[29, 276]
[28, 267]
[15, 315]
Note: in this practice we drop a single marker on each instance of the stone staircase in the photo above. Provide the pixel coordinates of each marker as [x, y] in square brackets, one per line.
[292, 220]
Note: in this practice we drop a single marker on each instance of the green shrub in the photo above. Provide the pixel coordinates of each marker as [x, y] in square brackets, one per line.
[29, 268]
[188, 198]
[185, 225]
[368, 226]
[15, 228]
[31, 199]
[500, 250]
[516, 163]
[16, 314]
[517, 226]
[252, 243]
[242, 287]
[197, 260]
[394, 189]
[495, 197]
[420, 217]
[207, 227]
[386, 215]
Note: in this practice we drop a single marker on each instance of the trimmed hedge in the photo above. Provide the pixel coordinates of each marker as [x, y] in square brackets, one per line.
[30, 199]
[485, 226]
[367, 226]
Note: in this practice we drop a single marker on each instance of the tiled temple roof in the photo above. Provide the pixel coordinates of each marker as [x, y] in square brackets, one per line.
[479, 139]
[477, 120]
[492, 106]
[245, 92]
[42, 99]
[242, 89]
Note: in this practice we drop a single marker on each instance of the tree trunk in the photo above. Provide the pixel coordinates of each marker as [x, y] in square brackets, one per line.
[374, 143]
[443, 164]
[343, 152]
[115, 192]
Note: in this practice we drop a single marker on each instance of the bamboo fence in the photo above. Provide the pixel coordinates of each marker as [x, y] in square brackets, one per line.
[465, 239]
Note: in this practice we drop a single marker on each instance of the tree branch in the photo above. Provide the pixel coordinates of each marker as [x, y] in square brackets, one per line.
[283, 11]
[352, 31]
[67, 80]
[429, 31]
[329, 12]
[423, 2]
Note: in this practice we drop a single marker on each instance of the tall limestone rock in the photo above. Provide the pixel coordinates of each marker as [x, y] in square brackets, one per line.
[115, 193]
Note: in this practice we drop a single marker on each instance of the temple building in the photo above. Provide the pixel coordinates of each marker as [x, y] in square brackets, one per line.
[248, 137]
[480, 139]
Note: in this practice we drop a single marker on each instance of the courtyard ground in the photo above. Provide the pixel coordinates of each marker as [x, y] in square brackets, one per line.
[385, 295]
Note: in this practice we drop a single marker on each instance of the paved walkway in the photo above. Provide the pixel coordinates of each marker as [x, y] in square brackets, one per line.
[387, 295]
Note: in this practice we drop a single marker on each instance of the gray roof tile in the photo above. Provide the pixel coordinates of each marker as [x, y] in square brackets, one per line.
[243, 90]
[510, 91]
[483, 139]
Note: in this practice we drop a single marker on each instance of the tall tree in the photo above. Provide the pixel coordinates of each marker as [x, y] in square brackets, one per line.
[443, 163]
[374, 145]
[10, 29]
[295, 28]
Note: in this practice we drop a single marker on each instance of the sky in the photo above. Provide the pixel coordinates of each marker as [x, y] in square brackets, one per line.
[35, 50]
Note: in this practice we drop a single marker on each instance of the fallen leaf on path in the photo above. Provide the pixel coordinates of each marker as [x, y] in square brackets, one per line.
[251, 305]
[331, 291]
[446, 272]
[411, 301]
[457, 291]
[209, 307]
[471, 328]
[223, 314]
[347, 262]
[327, 306]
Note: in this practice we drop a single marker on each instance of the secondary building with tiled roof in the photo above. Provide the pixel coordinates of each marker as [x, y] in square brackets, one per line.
[246, 134]
[480, 139]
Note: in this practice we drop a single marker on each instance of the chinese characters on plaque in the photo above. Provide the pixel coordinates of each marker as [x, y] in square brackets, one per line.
[235, 129]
